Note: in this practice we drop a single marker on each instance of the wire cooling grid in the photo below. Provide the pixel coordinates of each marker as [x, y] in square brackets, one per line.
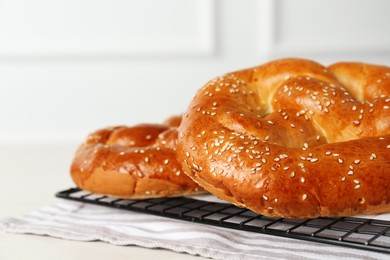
[367, 234]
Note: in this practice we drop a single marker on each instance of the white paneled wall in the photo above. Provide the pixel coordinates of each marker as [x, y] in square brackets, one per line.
[70, 67]
[105, 28]
[332, 26]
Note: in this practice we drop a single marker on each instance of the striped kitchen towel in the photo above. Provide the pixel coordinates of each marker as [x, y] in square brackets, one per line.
[85, 222]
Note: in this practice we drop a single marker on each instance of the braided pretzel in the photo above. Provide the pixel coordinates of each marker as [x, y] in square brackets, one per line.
[132, 162]
[292, 138]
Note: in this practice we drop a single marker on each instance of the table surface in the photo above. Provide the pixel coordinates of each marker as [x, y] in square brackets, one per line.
[30, 175]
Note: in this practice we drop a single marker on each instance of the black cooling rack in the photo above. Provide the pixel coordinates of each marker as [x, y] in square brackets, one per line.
[367, 234]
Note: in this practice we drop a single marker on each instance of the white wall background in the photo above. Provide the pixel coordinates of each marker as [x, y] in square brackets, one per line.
[68, 67]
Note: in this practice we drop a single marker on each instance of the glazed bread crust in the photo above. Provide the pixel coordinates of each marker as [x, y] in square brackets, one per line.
[292, 138]
[135, 162]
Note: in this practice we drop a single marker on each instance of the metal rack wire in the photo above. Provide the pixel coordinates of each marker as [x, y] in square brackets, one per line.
[367, 234]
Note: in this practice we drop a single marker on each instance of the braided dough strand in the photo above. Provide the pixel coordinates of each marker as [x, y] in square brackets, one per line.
[132, 162]
[292, 138]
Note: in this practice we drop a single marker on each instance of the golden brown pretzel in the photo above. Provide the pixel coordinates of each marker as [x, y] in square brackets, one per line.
[292, 138]
[132, 162]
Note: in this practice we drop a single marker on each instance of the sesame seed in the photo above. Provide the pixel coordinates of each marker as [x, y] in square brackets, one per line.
[340, 160]
[265, 197]
[146, 159]
[357, 187]
[314, 160]
[302, 179]
[122, 153]
[343, 178]
[356, 161]
[292, 174]
[304, 197]
[350, 172]
[328, 153]
[178, 173]
[166, 161]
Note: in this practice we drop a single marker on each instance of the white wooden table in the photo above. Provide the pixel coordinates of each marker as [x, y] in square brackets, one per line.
[30, 175]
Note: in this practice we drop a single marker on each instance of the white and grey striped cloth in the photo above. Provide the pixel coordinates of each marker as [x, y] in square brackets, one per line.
[84, 222]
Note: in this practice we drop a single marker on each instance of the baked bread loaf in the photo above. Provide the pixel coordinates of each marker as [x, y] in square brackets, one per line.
[132, 162]
[292, 138]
